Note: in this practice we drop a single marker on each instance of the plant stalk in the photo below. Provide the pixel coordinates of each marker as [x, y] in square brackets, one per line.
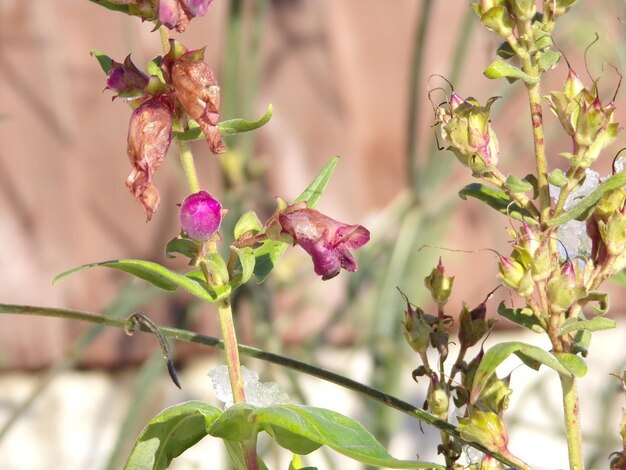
[534, 96]
[342, 381]
[572, 422]
[231, 348]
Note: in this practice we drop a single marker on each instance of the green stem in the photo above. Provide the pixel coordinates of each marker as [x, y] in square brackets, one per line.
[534, 95]
[192, 337]
[189, 167]
[572, 422]
[232, 352]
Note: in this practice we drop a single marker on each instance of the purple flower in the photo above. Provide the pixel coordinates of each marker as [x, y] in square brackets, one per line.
[176, 14]
[327, 241]
[200, 215]
[127, 80]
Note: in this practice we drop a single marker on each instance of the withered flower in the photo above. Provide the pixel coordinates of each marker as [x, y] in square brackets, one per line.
[327, 241]
[176, 14]
[199, 94]
[149, 137]
[127, 80]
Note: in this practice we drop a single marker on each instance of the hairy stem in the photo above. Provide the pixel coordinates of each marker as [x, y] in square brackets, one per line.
[534, 96]
[572, 422]
[227, 327]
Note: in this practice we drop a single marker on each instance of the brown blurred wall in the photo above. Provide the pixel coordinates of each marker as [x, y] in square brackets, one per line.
[337, 74]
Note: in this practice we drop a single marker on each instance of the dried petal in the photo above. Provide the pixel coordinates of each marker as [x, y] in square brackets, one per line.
[172, 15]
[149, 137]
[196, 7]
[199, 95]
[326, 240]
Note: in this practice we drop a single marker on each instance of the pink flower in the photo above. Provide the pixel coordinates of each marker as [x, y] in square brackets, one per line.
[200, 215]
[327, 241]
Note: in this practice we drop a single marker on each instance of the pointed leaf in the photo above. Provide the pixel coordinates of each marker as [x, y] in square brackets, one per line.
[595, 324]
[516, 185]
[522, 317]
[170, 433]
[529, 354]
[270, 251]
[248, 223]
[115, 6]
[499, 69]
[496, 199]
[183, 246]
[243, 270]
[573, 363]
[298, 428]
[156, 275]
[104, 60]
[587, 203]
[230, 127]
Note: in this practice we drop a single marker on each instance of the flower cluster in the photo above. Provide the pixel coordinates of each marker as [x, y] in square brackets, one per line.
[180, 83]
[466, 127]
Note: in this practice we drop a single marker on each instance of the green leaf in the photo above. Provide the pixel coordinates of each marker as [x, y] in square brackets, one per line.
[548, 60]
[516, 185]
[248, 222]
[557, 178]
[243, 270]
[183, 246]
[573, 363]
[496, 199]
[156, 275]
[595, 324]
[301, 428]
[505, 51]
[532, 356]
[216, 267]
[270, 251]
[522, 316]
[104, 60]
[170, 433]
[587, 203]
[124, 8]
[230, 127]
[499, 69]
[602, 300]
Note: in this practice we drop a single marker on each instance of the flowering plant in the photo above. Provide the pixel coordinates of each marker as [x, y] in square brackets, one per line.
[176, 99]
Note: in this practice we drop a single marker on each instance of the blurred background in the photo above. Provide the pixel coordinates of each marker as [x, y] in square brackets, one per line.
[348, 78]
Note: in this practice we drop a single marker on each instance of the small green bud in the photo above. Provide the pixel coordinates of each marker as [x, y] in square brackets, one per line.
[523, 10]
[516, 276]
[499, 20]
[560, 7]
[563, 289]
[486, 428]
[473, 325]
[465, 126]
[439, 285]
[416, 329]
[613, 233]
[437, 398]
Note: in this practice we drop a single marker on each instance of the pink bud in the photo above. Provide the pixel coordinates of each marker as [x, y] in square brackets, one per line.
[200, 215]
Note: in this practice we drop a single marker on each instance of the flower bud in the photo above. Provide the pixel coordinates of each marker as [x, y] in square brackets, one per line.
[127, 80]
[486, 428]
[416, 329]
[437, 399]
[559, 7]
[439, 285]
[563, 289]
[499, 20]
[198, 93]
[200, 216]
[613, 233]
[473, 325]
[514, 275]
[523, 10]
[176, 14]
[149, 138]
[465, 126]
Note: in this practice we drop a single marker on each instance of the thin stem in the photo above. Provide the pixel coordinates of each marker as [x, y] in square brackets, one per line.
[534, 96]
[232, 352]
[189, 167]
[419, 46]
[572, 422]
[342, 381]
